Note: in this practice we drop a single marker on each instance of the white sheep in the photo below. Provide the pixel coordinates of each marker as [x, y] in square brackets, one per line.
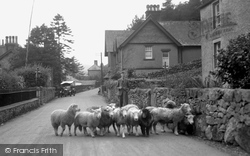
[87, 119]
[167, 115]
[62, 117]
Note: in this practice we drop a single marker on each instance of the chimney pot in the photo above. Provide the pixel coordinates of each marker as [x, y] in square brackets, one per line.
[16, 40]
[95, 62]
[6, 40]
[9, 39]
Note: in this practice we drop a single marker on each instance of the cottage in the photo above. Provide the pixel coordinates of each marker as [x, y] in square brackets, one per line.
[153, 46]
[7, 50]
[221, 20]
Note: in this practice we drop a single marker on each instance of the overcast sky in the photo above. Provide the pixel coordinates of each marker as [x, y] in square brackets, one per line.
[87, 19]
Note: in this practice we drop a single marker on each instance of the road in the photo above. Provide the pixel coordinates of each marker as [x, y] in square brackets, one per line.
[35, 128]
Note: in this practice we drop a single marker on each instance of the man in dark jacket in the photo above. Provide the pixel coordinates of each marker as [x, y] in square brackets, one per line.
[123, 90]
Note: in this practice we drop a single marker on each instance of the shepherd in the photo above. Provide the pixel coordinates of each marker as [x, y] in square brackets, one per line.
[123, 90]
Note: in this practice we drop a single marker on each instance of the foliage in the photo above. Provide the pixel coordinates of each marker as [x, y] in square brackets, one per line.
[32, 77]
[181, 12]
[10, 80]
[47, 47]
[131, 73]
[176, 69]
[136, 22]
[233, 63]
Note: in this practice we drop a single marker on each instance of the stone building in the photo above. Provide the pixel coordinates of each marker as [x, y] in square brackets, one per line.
[221, 20]
[7, 50]
[153, 46]
[94, 71]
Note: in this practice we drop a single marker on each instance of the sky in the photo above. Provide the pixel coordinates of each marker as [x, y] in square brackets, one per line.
[87, 19]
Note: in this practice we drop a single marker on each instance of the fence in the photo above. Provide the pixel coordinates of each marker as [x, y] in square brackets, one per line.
[8, 97]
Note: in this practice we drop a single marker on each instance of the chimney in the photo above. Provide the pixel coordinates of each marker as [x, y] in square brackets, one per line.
[11, 42]
[153, 11]
[95, 62]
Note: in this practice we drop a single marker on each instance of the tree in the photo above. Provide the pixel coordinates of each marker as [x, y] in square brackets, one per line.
[47, 48]
[136, 22]
[182, 12]
[233, 63]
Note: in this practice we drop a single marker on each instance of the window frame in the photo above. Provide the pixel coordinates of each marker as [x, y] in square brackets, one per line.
[216, 15]
[148, 49]
[163, 63]
[217, 47]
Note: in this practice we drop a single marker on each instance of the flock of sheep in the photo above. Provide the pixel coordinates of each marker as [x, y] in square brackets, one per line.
[129, 116]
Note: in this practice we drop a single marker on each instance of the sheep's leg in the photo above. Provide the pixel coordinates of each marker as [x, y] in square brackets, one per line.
[102, 131]
[143, 130]
[176, 128]
[85, 131]
[114, 128]
[147, 131]
[92, 129]
[123, 131]
[69, 126]
[154, 127]
[63, 129]
[75, 130]
[56, 130]
[118, 128]
[163, 127]
[136, 131]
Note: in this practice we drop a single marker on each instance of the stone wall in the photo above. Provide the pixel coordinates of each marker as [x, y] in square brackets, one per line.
[221, 114]
[44, 95]
[13, 110]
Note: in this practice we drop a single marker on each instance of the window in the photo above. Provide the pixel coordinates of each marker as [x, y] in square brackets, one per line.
[165, 59]
[148, 52]
[216, 15]
[217, 47]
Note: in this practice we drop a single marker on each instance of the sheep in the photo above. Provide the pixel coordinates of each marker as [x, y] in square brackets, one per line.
[145, 121]
[119, 119]
[167, 115]
[64, 117]
[133, 119]
[87, 119]
[106, 119]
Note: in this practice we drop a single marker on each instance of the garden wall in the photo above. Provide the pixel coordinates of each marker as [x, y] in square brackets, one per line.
[221, 114]
[44, 95]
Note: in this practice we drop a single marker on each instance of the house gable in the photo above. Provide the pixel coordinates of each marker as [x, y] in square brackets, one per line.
[150, 33]
[145, 26]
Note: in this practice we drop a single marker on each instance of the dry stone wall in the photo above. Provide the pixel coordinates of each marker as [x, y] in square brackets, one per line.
[221, 114]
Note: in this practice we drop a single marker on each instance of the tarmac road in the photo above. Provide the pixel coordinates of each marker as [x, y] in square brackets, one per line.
[35, 128]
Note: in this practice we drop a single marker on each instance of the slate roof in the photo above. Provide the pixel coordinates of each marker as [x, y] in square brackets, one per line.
[183, 33]
[187, 33]
[94, 67]
[113, 37]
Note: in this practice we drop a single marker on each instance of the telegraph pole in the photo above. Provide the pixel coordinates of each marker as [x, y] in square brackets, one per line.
[28, 42]
[101, 71]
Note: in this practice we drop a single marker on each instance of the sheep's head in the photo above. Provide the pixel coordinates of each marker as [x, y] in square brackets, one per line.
[123, 113]
[145, 113]
[73, 108]
[98, 113]
[186, 108]
[189, 118]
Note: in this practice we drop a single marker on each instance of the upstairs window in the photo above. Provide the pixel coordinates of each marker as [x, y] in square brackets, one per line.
[148, 52]
[217, 47]
[216, 15]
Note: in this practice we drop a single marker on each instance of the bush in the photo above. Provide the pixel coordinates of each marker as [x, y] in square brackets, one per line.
[9, 80]
[233, 65]
[30, 77]
[176, 69]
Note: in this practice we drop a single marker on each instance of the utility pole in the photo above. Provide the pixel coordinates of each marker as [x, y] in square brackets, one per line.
[28, 42]
[101, 71]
